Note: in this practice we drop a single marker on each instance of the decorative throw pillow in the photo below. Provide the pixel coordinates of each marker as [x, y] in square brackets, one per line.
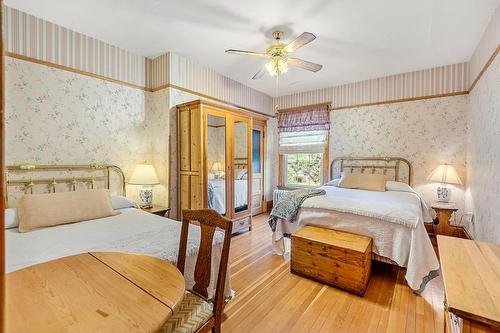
[363, 181]
[46, 210]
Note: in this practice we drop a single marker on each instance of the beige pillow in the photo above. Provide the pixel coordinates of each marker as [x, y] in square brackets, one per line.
[363, 181]
[46, 210]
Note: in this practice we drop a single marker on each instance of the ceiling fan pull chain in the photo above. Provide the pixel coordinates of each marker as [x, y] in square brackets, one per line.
[276, 94]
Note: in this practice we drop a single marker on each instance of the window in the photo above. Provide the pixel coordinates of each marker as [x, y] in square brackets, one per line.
[303, 169]
[303, 146]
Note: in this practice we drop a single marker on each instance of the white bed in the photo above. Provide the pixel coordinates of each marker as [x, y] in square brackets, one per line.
[131, 231]
[217, 194]
[393, 219]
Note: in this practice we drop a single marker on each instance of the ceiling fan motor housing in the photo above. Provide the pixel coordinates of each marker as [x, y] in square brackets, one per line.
[277, 34]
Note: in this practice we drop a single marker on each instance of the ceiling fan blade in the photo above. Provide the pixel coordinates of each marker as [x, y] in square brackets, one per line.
[260, 73]
[310, 66]
[255, 54]
[303, 39]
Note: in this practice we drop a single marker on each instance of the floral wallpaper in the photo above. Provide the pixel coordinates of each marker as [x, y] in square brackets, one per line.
[483, 155]
[158, 120]
[57, 117]
[427, 133]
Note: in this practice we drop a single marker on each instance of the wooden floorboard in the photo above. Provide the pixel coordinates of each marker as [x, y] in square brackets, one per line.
[271, 299]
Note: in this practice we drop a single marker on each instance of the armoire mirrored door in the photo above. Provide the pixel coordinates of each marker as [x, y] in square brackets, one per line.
[216, 162]
[241, 165]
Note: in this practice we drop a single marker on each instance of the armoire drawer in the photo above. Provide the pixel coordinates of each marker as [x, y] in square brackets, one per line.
[241, 225]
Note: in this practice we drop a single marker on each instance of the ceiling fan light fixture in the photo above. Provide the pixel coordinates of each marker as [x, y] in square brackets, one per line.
[277, 66]
[278, 55]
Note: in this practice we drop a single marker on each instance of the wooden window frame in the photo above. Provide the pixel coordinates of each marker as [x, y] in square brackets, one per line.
[282, 184]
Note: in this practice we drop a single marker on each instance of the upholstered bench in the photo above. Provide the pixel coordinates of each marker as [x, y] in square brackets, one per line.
[333, 257]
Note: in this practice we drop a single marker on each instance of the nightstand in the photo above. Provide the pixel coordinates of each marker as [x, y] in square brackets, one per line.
[444, 213]
[158, 210]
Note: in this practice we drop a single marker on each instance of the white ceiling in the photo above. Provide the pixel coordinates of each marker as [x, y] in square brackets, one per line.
[356, 39]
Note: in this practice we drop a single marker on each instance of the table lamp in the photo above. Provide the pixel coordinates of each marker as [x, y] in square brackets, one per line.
[145, 175]
[217, 169]
[444, 174]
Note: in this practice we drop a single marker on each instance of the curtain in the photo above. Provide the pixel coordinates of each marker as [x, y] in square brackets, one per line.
[304, 130]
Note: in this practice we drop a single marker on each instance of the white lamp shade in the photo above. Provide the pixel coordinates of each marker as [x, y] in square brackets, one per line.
[445, 174]
[217, 166]
[144, 174]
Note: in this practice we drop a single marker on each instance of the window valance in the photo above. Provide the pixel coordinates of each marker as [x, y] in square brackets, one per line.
[314, 118]
[304, 130]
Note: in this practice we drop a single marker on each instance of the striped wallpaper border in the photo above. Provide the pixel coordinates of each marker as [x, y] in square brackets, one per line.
[32, 37]
[158, 72]
[73, 70]
[439, 81]
[193, 76]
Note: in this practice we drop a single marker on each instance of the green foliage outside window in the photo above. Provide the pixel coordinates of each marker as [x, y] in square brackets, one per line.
[304, 169]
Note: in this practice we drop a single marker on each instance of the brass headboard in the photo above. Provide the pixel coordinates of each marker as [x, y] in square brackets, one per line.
[88, 175]
[398, 168]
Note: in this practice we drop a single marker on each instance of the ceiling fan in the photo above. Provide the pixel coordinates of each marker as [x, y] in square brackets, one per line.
[279, 52]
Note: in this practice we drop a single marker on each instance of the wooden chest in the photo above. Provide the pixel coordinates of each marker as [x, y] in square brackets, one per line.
[333, 257]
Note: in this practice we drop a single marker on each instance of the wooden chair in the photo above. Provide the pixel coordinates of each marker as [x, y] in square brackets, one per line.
[196, 312]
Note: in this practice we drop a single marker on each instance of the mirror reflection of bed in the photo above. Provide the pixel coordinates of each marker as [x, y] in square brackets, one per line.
[216, 159]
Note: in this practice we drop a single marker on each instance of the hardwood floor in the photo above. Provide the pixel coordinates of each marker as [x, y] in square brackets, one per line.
[271, 299]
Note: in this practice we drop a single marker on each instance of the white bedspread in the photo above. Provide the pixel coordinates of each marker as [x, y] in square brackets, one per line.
[218, 202]
[132, 231]
[400, 207]
[393, 219]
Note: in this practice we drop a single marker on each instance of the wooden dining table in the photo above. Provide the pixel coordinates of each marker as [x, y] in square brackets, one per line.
[93, 292]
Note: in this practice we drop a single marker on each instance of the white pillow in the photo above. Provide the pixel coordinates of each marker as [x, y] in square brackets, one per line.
[391, 185]
[333, 182]
[119, 202]
[11, 220]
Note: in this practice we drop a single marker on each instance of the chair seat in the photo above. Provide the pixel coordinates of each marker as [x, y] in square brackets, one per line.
[192, 313]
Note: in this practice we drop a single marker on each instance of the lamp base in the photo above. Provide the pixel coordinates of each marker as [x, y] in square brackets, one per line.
[146, 196]
[443, 194]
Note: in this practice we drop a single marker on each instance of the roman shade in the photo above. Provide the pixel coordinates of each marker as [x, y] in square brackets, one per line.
[304, 129]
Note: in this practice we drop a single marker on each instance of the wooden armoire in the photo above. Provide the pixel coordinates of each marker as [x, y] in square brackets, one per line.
[221, 161]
